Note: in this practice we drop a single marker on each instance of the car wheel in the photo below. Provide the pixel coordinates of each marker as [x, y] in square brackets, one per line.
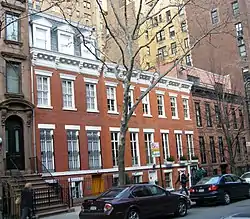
[133, 214]
[226, 198]
[181, 210]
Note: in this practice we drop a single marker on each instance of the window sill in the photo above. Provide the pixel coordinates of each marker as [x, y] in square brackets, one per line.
[44, 107]
[147, 115]
[162, 117]
[93, 111]
[187, 119]
[18, 43]
[113, 112]
[175, 118]
[13, 95]
[69, 109]
[133, 114]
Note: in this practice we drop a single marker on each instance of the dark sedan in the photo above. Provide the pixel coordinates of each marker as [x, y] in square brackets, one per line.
[221, 189]
[134, 202]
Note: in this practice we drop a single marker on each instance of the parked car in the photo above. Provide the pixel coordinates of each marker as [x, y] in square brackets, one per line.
[180, 192]
[134, 202]
[221, 188]
[246, 176]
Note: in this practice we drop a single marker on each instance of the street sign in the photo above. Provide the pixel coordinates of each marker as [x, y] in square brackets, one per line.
[155, 149]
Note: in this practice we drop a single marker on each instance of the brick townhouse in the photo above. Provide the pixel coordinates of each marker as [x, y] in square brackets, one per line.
[77, 116]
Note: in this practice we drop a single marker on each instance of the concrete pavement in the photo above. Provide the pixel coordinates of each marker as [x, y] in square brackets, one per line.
[206, 212]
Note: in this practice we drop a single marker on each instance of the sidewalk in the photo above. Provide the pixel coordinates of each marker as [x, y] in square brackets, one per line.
[72, 215]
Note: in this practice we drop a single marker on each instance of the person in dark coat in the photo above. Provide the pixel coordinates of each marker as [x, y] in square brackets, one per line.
[27, 201]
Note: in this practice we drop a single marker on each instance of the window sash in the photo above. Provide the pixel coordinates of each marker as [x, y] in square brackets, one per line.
[94, 150]
[67, 90]
[42, 90]
[190, 144]
[148, 139]
[73, 150]
[134, 148]
[111, 99]
[173, 102]
[179, 148]
[91, 97]
[12, 27]
[165, 145]
[76, 188]
[160, 102]
[186, 108]
[145, 105]
[115, 147]
[202, 150]
[13, 77]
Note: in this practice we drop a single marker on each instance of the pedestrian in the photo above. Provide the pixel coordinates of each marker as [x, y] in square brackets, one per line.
[27, 201]
[183, 179]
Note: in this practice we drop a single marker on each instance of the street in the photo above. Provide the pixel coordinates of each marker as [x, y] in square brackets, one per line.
[206, 212]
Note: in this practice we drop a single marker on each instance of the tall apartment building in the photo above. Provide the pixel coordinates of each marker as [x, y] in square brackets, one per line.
[16, 109]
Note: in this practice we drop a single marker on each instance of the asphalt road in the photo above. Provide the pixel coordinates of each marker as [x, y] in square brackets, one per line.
[205, 212]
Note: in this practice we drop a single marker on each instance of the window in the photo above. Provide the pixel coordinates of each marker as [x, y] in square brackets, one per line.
[111, 99]
[146, 105]
[179, 149]
[160, 36]
[198, 115]
[43, 91]
[131, 99]
[242, 50]
[236, 9]
[148, 139]
[165, 145]
[235, 124]
[146, 35]
[76, 188]
[195, 80]
[156, 191]
[12, 31]
[173, 103]
[186, 108]
[241, 119]
[217, 116]
[94, 150]
[171, 32]
[190, 144]
[173, 48]
[188, 60]
[41, 38]
[212, 149]
[86, 4]
[168, 16]
[137, 179]
[148, 50]
[91, 97]
[186, 43]
[47, 149]
[141, 191]
[181, 9]
[68, 94]
[162, 52]
[13, 77]
[160, 18]
[65, 43]
[221, 149]
[202, 150]
[115, 147]
[160, 103]
[155, 22]
[208, 115]
[239, 29]
[226, 117]
[184, 26]
[214, 16]
[168, 180]
[134, 144]
[73, 150]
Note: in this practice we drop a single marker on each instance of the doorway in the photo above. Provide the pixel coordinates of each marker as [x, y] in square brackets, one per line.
[97, 184]
[14, 143]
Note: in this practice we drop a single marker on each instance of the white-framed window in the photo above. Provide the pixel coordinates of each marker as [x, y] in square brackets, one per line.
[239, 29]
[88, 49]
[179, 148]
[174, 110]
[115, 147]
[190, 144]
[146, 105]
[185, 102]
[77, 189]
[73, 150]
[131, 100]
[43, 89]
[13, 77]
[65, 39]
[12, 30]
[134, 144]
[161, 105]
[168, 179]
[68, 94]
[91, 97]
[215, 16]
[94, 149]
[148, 140]
[165, 145]
[111, 99]
[137, 179]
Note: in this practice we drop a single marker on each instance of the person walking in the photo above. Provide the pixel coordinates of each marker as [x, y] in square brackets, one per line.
[27, 201]
[183, 179]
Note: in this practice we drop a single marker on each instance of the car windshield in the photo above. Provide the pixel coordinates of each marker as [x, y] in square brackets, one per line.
[209, 180]
[245, 175]
[114, 193]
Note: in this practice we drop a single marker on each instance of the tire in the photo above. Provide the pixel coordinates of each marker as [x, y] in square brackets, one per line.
[181, 210]
[133, 214]
[226, 198]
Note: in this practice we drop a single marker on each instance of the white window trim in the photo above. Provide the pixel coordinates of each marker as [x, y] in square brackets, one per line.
[133, 129]
[171, 177]
[73, 127]
[188, 108]
[81, 187]
[191, 151]
[47, 74]
[46, 126]
[189, 132]
[184, 97]
[67, 77]
[137, 174]
[179, 146]
[117, 155]
[173, 94]
[168, 148]
[114, 129]
[164, 131]
[177, 131]
[137, 149]
[176, 107]
[163, 106]
[91, 80]
[115, 100]
[71, 35]
[148, 130]
[111, 84]
[149, 107]
[152, 133]
[48, 35]
[160, 92]
[70, 78]
[93, 128]
[131, 90]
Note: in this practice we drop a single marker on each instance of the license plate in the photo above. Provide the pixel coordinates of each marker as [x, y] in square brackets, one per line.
[93, 208]
[201, 190]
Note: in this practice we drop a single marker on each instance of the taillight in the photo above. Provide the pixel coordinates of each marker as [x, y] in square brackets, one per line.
[191, 190]
[107, 207]
[213, 188]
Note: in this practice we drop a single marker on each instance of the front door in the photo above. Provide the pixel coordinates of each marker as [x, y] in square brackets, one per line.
[14, 143]
[97, 184]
